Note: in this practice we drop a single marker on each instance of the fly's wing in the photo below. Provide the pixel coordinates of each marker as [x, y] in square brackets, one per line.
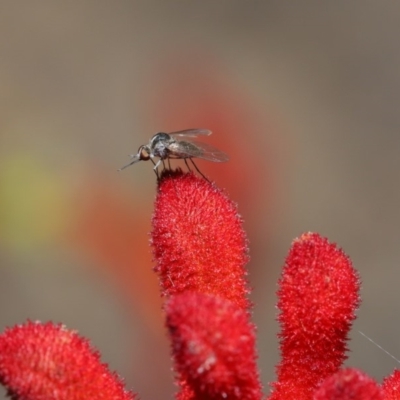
[135, 159]
[190, 133]
[183, 149]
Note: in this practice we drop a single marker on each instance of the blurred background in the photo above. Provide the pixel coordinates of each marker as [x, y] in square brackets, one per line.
[304, 97]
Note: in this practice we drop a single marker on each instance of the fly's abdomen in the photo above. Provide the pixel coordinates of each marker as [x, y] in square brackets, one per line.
[183, 149]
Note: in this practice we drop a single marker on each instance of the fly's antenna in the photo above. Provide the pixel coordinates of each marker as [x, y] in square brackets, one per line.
[379, 347]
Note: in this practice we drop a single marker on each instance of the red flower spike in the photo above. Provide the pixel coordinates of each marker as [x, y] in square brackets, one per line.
[186, 392]
[349, 384]
[213, 344]
[318, 297]
[46, 361]
[198, 240]
[391, 386]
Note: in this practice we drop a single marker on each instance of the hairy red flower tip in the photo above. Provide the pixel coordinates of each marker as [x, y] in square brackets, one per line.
[213, 344]
[318, 297]
[198, 240]
[391, 386]
[46, 361]
[186, 392]
[348, 384]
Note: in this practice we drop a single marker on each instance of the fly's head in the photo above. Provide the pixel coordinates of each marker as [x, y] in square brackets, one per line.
[144, 152]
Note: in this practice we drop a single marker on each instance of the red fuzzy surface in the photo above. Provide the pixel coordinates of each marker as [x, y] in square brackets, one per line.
[213, 344]
[318, 297]
[391, 386]
[46, 361]
[198, 240]
[349, 384]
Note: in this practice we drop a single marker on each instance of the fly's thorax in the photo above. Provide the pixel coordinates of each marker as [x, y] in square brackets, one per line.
[159, 144]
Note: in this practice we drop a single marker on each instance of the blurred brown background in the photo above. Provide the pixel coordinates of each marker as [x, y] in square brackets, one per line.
[304, 96]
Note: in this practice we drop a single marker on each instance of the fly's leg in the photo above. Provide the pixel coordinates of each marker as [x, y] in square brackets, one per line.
[169, 164]
[187, 164]
[197, 169]
[155, 168]
[157, 163]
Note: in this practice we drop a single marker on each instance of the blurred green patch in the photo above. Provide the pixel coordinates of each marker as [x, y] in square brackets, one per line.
[34, 209]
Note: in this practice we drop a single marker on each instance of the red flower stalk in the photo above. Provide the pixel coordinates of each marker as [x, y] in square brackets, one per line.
[200, 250]
[318, 296]
[213, 344]
[46, 361]
[198, 240]
[349, 384]
[391, 386]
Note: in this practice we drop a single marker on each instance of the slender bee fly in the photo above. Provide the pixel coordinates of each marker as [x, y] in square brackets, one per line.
[177, 145]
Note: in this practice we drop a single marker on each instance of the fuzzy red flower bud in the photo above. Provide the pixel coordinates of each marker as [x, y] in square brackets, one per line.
[46, 361]
[213, 345]
[318, 297]
[349, 384]
[391, 386]
[198, 240]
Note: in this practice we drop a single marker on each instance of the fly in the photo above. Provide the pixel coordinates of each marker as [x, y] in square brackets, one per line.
[177, 145]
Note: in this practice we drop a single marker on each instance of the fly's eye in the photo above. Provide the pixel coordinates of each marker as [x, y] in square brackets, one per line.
[143, 154]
